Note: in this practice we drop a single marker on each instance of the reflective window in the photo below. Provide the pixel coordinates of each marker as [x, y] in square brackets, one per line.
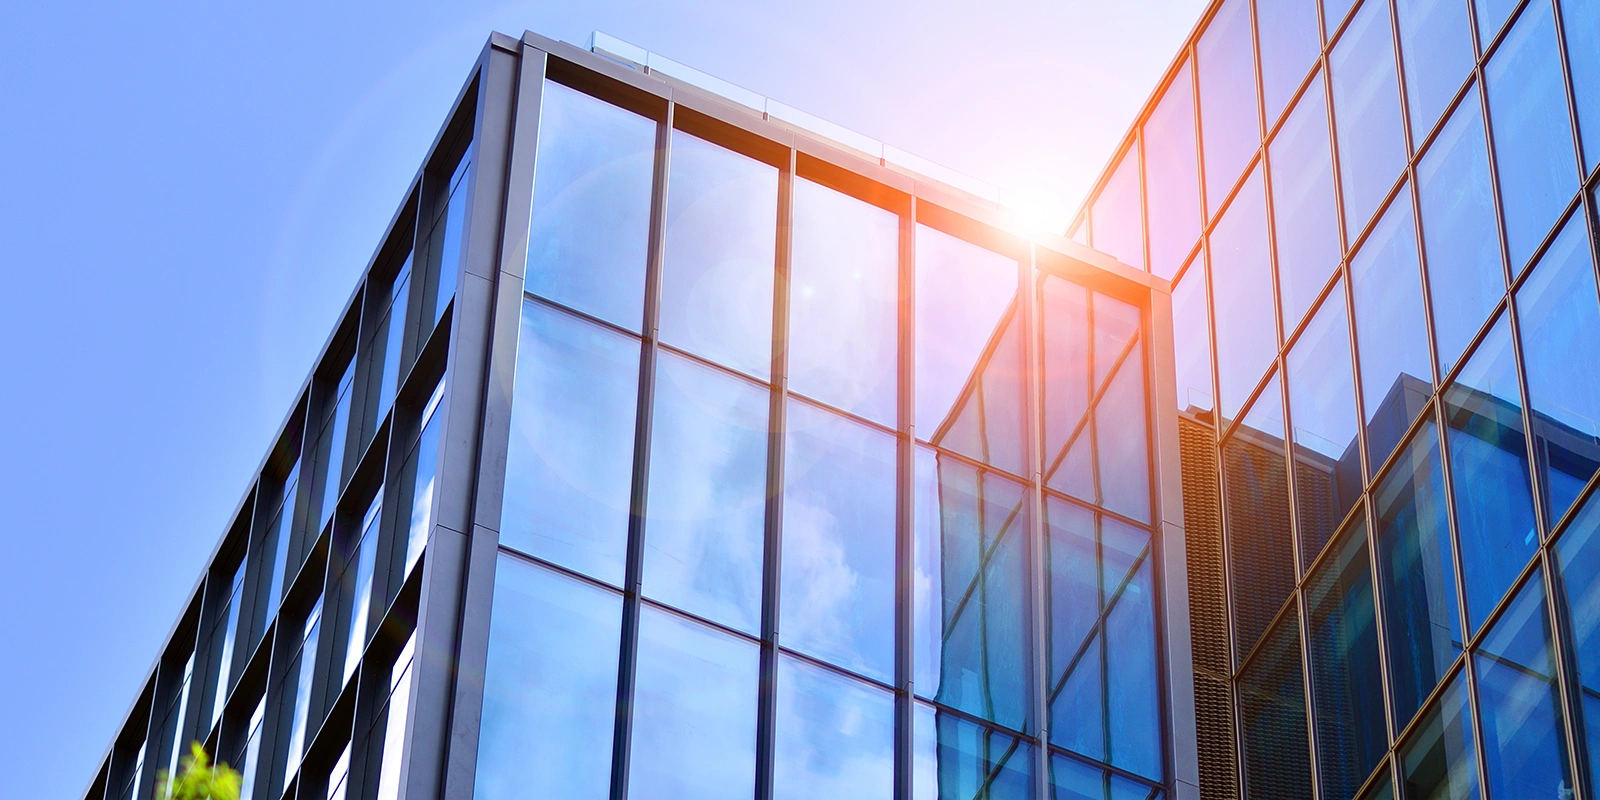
[395, 724]
[1133, 686]
[1172, 177]
[1533, 145]
[1391, 329]
[1436, 48]
[1579, 551]
[1560, 326]
[177, 719]
[834, 738]
[1071, 779]
[1191, 327]
[1381, 790]
[1290, 44]
[694, 712]
[1117, 216]
[1241, 270]
[1272, 709]
[1465, 275]
[706, 514]
[305, 675]
[1121, 430]
[1580, 21]
[278, 541]
[721, 239]
[1255, 484]
[1489, 470]
[954, 759]
[252, 754]
[331, 448]
[1439, 759]
[230, 631]
[1230, 123]
[420, 469]
[1492, 15]
[387, 347]
[1416, 570]
[338, 777]
[1524, 739]
[1366, 106]
[570, 464]
[1322, 408]
[966, 300]
[838, 541]
[590, 225]
[1334, 11]
[1065, 323]
[1303, 209]
[972, 615]
[361, 588]
[549, 687]
[444, 245]
[843, 312]
[1342, 640]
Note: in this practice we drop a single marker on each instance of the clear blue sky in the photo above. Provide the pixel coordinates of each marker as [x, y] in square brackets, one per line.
[189, 191]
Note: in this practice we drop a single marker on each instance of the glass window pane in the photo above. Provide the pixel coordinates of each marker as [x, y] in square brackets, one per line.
[1272, 707]
[590, 225]
[1077, 655]
[1303, 208]
[1290, 43]
[1436, 48]
[1465, 275]
[1489, 470]
[694, 712]
[972, 615]
[1416, 570]
[1117, 215]
[1191, 327]
[1381, 790]
[1255, 483]
[959, 760]
[1560, 326]
[1580, 21]
[1071, 779]
[417, 476]
[1230, 123]
[843, 312]
[1343, 644]
[549, 687]
[1579, 552]
[443, 245]
[1524, 739]
[1492, 15]
[966, 299]
[1322, 407]
[1241, 269]
[705, 518]
[721, 238]
[1533, 145]
[1065, 380]
[1122, 435]
[1391, 329]
[1172, 177]
[835, 736]
[569, 469]
[1366, 106]
[1133, 683]
[1439, 760]
[360, 587]
[838, 541]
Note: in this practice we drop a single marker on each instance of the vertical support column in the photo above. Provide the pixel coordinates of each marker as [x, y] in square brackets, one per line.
[905, 514]
[1033, 392]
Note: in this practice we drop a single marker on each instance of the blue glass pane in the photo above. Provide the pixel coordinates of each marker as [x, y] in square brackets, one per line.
[1416, 571]
[1230, 123]
[1492, 16]
[972, 616]
[1241, 269]
[1489, 470]
[1334, 12]
[1560, 325]
[1076, 668]
[706, 514]
[835, 736]
[1524, 739]
[1580, 22]
[1172, 177]
[1465, 276]
[1117, 216]
[721, 238]
[694, 712]
[1381, 790]
[1439, 760]
[589, 232]
[844, 278]
[1342, 639]
[569, 468]
[1122, 439]
[1366, 105]
[1071, 779]
[1255, 484]
[1065, 379]
[549, 687]
[1191, 327]
[1436, 47]
[1391, 329]
[1133, 682]
[1290, 43]
[959, 760]
[1533, 145]
[1579, 551]
[838, 541]
[1272, 711]
[1322, 407]
[1303, 209]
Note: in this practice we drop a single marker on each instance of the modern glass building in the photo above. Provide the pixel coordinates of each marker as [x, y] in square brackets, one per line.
[679, 445]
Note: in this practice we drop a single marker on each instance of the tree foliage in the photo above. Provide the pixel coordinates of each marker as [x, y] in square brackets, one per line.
[199, 779]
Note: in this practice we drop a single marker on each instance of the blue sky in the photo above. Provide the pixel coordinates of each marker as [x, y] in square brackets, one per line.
[190, 192]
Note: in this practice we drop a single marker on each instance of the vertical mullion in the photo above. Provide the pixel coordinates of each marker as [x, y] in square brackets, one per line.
[905, 512]
[1034, 453]
[633, 571]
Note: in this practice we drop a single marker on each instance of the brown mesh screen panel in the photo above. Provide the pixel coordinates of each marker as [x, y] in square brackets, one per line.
[1208, 611]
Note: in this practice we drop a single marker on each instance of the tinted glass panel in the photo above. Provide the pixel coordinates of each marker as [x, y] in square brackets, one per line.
[1342, 639]
[1533, 146]
[1436, 47]
[569, 468]
[838, 541]
[1391, 329]
[1366, 105]
[1066, 380]
[1242, 284]
[1439, 761]
[843, 281]
[1077, 652]
[835, 736]
[706, 514]
[1289, 46]
[1524, 739]
[1071, 779]
[1117, 216]
[1381, 790]
[1230, 124]
[590, 225]
[1170, 167]
[1580, 22]
[1322, 406]
[1303, 206]
[1272, 707]
[1492, 15]
[550, 686]
[1255, 483]
[1191, 324]
[1121, 435]
[721, 237]
[1579, 551]
[960, 760]
[1133, 685]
